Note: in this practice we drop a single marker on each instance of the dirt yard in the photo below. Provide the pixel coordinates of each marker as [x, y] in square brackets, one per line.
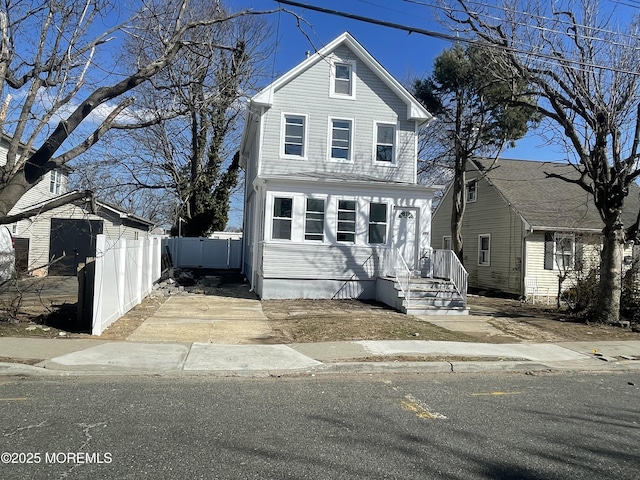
[322, 320]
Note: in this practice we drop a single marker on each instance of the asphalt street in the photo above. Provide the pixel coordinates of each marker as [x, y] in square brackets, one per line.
[494, 426]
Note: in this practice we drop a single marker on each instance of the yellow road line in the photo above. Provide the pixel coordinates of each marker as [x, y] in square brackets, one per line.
[13, 399]
[420, 409]
[494, 394]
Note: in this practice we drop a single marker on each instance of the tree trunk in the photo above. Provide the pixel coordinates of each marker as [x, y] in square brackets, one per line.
[610, 286]
[457, 212]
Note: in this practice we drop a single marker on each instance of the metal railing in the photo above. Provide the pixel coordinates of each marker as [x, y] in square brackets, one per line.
[445, 264]
[397, 267]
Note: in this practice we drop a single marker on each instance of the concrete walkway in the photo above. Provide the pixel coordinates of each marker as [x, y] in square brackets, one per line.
[208, 334]
[80, 356]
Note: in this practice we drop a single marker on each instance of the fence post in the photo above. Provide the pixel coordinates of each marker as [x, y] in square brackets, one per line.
[101, 244]
[121, 272]
[139, 266]
[156, 254]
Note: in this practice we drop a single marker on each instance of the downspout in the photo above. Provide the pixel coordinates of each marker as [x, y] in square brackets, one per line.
[526, 232]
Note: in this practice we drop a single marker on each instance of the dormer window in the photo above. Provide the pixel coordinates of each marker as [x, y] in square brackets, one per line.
[342, 80]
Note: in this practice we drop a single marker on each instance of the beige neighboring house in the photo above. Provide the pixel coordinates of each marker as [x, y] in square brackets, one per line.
[522, 229]
[66, 234]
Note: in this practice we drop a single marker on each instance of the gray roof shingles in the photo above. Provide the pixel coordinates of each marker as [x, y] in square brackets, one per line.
[550, 203]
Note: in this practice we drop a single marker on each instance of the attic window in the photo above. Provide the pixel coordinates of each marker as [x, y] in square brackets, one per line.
[55, 182]
[342, 80]
[472, 191]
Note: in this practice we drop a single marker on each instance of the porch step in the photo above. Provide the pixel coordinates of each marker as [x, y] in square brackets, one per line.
[428, 296]
[437, 311]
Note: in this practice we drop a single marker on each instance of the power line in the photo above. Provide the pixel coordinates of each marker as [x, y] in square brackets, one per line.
[504, 9]
[453, 38]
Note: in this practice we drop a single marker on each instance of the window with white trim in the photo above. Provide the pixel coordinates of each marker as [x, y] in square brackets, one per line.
[55, 182]
[346, 231]
[314, 220]
[282, 213]
[294, 129]
[484, 249]
[342, 77]
[446, 242]
[378, 223]
[385, 142]
[341, 139]
[560, 251]
[564, 251]
[472, 191]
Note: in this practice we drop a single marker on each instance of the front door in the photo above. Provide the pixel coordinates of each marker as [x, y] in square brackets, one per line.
[404, 234]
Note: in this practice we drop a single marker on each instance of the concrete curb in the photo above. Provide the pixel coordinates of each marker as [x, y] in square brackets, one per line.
[345, 368]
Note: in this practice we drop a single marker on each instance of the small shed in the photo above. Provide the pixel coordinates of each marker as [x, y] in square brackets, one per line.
[56, 241]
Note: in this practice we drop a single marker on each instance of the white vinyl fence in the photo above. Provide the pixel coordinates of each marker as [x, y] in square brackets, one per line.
[196, 252]
[125, 271]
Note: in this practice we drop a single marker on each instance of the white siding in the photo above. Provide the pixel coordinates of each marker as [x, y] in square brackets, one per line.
[308, 94]
[330, 259]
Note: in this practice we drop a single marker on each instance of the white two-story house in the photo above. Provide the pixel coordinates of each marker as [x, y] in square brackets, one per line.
[331, 192]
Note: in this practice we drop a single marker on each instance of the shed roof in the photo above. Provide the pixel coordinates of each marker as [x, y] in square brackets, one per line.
[549, 203]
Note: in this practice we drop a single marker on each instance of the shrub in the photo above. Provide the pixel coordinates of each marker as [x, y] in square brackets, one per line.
[630, 300]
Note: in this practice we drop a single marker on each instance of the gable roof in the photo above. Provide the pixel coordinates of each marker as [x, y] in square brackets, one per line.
[549, 203]
[415, 110]
[86, 199]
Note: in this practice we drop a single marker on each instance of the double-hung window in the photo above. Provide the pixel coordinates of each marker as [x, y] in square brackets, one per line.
[341, 139]
[314, 220]
[282, 213]
[294, 135]
[343, 79]
[377, 223]
[472, 191]
[385, 142]
[55, 182]
[484, 249]
[564, 251]
[560, 251]
[346, 221]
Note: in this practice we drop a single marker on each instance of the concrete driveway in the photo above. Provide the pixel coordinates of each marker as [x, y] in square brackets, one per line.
[206, 319]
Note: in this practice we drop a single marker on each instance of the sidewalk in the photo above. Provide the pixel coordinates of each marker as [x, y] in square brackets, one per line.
[222, 335]
[80, 356]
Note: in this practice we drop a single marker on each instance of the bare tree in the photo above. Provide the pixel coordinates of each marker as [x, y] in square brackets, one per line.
[55, 69]
[189, 155]
[586, 75]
